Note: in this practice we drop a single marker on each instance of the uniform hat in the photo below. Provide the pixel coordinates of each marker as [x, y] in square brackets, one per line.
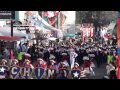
[91, 55]
[85, 58]
[52, 61]
[64, 53]
[26, 54]
[39, 59]
[27, 60]
[3, 60]
[52, 56]
[76, 64]
[15, 60]
[62, 63]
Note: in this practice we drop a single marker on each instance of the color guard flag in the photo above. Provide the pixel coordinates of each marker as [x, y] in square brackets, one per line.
[27, 72]
[3, 69]
[14, 71]
[39, 72]
[75, 74]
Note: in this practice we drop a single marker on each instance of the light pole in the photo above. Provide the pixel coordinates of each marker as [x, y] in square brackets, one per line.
[12, 17]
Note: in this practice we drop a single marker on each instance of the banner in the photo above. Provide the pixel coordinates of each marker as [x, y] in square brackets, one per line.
[118, 37]
[14, 71]
[75, 74]
[26, 72]
[118, 32]
[3, 70]
[39, 72]
[7, 14]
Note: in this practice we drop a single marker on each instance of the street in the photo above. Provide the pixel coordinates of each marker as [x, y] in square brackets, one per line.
[100, 72]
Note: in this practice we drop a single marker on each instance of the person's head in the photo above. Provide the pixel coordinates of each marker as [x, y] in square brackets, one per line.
[4, 62]
[52, 61]
[76, 65]
[15, 61]
[27, 62]
[40, 61]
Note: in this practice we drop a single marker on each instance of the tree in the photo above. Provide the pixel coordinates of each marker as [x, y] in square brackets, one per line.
[98, 18]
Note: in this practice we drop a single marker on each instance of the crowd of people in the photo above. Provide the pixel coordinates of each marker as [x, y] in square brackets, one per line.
[60, 61]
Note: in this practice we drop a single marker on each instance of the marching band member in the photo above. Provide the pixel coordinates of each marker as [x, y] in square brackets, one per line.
[87, 64]
[52, 69]
[14, 62]
[14, 70]
[4, 69]
[65, 59]
[73, 55]
[4, 62]
[27, 64]
[40, 63]
[76, 66]
[76, 72]
[63, 69]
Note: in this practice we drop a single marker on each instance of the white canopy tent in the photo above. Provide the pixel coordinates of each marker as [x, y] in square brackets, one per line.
[6, 31]
[39, 22]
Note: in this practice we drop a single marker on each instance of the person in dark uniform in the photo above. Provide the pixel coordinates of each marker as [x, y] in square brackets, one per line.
[58, 55]
[97, 58]
[80, 56]
[46, 55]
[61, 75]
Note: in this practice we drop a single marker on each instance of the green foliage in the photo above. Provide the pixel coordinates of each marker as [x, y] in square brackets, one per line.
[97, 17]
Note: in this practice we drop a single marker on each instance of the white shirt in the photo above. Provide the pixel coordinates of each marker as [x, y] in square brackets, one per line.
[6, 52]
[109, 68]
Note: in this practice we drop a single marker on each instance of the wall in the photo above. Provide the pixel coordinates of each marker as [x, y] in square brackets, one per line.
[2, 23]
[69, 24]
[21, 16]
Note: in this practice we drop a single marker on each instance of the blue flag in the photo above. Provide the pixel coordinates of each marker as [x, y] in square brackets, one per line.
[14, 71]
[39, 72]
[3, 70]
[75, 74]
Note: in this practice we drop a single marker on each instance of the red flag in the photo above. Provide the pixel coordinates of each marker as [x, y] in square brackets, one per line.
[118, 36]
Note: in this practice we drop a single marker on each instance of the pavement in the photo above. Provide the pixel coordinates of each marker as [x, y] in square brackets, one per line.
[100, 72]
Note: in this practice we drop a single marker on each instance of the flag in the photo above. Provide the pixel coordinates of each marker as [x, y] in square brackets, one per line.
[45, 16]
[73, 55]
[3, 70]
[51, 21]
[118, 36]
[27, 72]
[39, 72]
[14, 72]
[75, 74]
[62, 19]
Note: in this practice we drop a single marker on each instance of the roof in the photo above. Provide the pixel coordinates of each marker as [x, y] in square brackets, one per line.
[9, 38]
